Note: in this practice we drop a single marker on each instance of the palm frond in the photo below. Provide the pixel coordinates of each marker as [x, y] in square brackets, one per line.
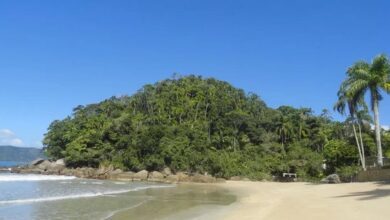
[360, 70]
[386, 86]
[357, 86]
[380, 64]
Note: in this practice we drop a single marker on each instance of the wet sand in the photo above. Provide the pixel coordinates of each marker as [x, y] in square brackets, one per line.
[185, 201]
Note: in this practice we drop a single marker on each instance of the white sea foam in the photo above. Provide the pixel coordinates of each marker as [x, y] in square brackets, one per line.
[97, 183]
[33, 177]
[120, 183]
[78, 196]
[111, 214]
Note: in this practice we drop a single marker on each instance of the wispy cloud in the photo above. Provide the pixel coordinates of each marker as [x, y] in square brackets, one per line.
[6, 133]
[8, 137]
[384, 127]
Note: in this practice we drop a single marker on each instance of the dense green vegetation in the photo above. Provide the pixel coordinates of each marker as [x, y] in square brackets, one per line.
[19, 154]
[204, 125]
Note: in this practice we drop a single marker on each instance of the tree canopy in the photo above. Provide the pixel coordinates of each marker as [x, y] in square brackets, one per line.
[201, 125]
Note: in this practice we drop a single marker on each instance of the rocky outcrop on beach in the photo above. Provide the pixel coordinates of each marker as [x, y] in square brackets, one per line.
[41, 166]
[333, 178]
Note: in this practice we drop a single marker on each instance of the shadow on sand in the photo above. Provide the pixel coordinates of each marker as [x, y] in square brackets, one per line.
[372, 194]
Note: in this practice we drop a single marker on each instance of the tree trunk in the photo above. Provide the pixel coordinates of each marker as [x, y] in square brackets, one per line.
[377, 131]
[357, 143]
[362, 147]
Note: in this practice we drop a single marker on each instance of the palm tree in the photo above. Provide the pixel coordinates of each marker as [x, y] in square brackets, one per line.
[284, 129]
[375, 78]
[354, 113]
[302, 129]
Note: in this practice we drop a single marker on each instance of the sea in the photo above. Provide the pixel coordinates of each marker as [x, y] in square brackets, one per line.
[11, 163]
[31, 196]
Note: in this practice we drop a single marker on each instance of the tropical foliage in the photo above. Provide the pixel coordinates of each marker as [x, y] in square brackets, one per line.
[202, 125]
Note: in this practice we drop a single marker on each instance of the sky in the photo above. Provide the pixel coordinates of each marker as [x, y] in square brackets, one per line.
[55, 55]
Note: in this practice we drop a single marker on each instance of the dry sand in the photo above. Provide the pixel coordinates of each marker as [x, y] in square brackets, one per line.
[289, 201]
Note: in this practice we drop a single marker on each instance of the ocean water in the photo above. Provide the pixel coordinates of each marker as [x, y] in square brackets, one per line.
[28, 196]
[10, 163]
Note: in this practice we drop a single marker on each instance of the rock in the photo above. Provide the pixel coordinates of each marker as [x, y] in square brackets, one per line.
[49, 168]
[235, 178]
[333, 178]
[31, 171]
[221, 180]
[172, 179]
[115, 172]
[123, 176]
[37, 162]
[104, 171]
[67, 172]
[44, 165]
[57, 166]
[182, 177]
[166, 171]
[16, 170]
[85, 172]
[156, 177]
[198, 178]
[60, 162]
[141, 175]
[52, 172]
[90, 173]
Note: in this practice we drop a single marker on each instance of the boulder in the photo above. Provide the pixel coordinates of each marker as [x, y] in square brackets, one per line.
[333, 178]
[166, 171]
[16, 169]
[89, 173]
[104, 171]
[50, 168]
[85, 172]
[57, 166]
[182, 177]
[37, 162]
[156, 176]
[44, 165]
[198, 178]
[31, 171]
[141, 175]
[123, 176]
[221, 180]
[235, 178]
[60, 162]
[67, 172]
[172, 179]
[52, 172]
[115, 172]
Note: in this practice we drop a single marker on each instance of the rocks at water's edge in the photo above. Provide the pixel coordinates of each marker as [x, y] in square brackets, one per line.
[37, 161]
[156, 176]
[333, 178]
[141, 176]
[58, 167]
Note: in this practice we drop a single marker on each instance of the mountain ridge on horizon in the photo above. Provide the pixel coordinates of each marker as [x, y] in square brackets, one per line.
[20, 154]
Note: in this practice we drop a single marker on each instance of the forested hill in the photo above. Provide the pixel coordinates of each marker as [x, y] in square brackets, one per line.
[199, 125]
[19, 154]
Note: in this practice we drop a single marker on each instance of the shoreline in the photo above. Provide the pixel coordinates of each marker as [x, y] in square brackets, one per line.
[268, 200]
[46, 167]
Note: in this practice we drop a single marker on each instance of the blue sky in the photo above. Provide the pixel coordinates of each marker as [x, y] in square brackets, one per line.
[55, 55]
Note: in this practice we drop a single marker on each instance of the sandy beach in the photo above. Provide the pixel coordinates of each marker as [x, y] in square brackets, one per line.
[267, 200]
